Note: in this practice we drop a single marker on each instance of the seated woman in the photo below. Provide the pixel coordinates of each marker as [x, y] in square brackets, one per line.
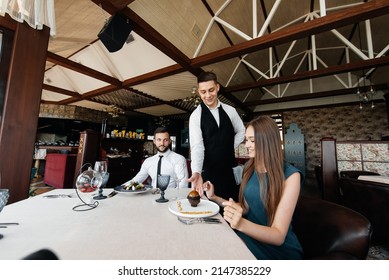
[268, 196]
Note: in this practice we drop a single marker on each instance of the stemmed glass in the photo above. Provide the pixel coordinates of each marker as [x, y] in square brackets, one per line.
[100, 174]
[101, 166]
[177, 185]
[4, 195]
[87, 182]
[162, 183]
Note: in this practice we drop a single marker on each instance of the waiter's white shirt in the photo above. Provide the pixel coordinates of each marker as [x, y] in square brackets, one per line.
[172, 164]
[196, 137]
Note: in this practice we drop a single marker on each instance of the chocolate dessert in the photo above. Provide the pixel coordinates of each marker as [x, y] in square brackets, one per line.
[194, 198]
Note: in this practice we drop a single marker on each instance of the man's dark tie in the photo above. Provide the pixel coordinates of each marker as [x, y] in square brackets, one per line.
[159, 165]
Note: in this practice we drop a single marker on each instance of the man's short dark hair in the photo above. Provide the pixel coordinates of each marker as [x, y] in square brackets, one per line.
[161, 129]
[206, 77]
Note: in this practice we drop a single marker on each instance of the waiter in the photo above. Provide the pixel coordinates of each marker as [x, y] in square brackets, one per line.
[215, 130]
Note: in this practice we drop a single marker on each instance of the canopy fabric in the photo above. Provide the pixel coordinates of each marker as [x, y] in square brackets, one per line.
[35, 13]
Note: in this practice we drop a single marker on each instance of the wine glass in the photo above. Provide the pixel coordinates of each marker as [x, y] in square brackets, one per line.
[4, 195]
[87, 181]
[162, 183]
[100, 180]
[177, 186]
[100, 170]
[101, 167]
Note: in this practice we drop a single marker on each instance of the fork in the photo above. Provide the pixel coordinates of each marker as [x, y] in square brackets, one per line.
[58, 196]
[191, 221]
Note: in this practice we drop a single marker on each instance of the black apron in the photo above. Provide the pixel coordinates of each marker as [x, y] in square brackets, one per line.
[219, 154]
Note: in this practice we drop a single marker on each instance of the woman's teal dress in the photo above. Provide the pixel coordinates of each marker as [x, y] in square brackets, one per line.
[291, 248]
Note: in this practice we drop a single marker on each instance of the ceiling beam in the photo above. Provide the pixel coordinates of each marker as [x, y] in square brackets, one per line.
[154, 75]
[89, 94]
[157, 40]
[345, 17]
[7, 22]
[113, 6]
[67, 63]
[60, 90]
[156, 100]
[147, 32]
[119, 4]
[315, 95]
[371, 63]
[352, 15]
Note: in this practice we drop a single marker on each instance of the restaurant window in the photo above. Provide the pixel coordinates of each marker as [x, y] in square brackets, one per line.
[241, 151]
[279, 121]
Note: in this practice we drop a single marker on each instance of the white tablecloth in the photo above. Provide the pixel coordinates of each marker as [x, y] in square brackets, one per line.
[375, 178]
[126, 226]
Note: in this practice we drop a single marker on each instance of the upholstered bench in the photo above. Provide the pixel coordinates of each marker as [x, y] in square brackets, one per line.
[371, 199]
[330, 231]
[59, 170]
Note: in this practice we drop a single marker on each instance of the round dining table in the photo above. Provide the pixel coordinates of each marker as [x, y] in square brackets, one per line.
[125, 225]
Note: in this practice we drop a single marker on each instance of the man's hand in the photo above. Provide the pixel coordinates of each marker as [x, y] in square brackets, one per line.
[197, 182]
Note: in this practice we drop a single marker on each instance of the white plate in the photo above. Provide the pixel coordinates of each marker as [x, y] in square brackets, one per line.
[143, 190]
[205, 208]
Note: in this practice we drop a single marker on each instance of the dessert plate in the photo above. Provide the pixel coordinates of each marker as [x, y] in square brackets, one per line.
[205, 208]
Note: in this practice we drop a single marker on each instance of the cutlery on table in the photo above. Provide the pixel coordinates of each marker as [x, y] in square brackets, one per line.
[58, 196]
[191, 221]
[9, 224]
[113, 193]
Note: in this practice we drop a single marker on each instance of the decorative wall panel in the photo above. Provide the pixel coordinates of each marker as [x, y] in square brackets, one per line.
[342, 123]
[363, 156]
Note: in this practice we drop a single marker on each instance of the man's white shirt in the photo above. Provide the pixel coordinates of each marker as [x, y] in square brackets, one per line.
[173, 164]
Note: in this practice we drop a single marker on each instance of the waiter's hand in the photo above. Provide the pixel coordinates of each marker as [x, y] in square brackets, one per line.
[197, 182]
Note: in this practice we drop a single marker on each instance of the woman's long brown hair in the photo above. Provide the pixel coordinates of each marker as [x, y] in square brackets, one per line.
[269, 158]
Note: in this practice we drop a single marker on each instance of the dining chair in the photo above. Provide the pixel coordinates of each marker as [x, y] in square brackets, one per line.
[43, 254]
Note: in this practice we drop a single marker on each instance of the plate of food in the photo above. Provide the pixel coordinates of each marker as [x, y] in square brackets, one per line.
[133, 187]
[183, 208]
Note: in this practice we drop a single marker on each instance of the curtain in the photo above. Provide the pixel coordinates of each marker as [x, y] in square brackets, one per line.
[35, 12]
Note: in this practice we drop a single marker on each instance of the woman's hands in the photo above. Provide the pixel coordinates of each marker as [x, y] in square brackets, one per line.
[232, 213]
[209, 190]
[232, 210]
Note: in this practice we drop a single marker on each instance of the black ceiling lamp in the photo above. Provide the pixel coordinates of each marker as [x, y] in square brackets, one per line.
[365, 94]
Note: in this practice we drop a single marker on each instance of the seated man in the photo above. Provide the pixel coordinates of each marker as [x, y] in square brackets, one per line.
[164, 162]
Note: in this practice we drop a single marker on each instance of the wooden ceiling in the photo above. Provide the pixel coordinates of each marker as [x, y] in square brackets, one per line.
[269, 55]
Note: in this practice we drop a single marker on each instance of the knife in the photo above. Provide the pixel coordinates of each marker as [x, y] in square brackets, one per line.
[113, 193]
[191, 221]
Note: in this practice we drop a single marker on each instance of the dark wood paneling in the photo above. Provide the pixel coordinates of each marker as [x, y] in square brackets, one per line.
[88, 151]
[387, 104]
[21, 108]
[5, 58]
[329, 170]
